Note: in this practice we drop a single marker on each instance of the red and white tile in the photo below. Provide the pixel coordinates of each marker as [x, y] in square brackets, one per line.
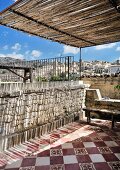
[76, 146]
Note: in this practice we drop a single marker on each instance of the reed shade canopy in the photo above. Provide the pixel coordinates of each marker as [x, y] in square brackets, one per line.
[79, 23]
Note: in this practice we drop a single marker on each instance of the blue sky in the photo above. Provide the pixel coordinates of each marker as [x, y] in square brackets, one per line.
[21, 45]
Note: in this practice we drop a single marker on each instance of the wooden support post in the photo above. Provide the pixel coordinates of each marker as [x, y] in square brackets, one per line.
[88, 116]
[25, 75]
[113, 121]
[30, 72]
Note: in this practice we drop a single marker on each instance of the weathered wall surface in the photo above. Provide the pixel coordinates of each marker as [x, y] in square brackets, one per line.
[106, 86]
[32, 113]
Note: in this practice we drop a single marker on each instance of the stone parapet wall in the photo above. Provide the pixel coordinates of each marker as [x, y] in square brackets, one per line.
[106, 86]
[30, 113]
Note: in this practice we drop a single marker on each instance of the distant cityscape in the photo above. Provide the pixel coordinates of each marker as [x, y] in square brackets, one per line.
[55, 69]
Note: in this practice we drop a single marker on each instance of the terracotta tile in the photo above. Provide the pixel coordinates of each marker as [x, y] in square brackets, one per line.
[86, 139]
[78, 145]
[83, 158]
[44, 153]
[28, 162]
[56, 160]
[110, 157]
[106, 138]
[96, 138]
[115, 149]
[68, 152]
[102, 166]
[118, 142]
[100, 144]
[111, 133]
[11, 169]
[92, 150]
[72, 167]
[42, 168]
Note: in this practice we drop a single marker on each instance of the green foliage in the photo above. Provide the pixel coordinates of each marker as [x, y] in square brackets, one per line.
[41, 78]
[117, 87]
[55, 78]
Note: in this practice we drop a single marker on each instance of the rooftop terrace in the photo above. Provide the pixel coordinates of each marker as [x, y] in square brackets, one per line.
[77, 146]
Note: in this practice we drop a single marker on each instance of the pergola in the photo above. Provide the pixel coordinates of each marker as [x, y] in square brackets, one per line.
[79, 23]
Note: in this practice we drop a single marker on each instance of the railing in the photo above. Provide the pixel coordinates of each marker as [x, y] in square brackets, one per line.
[52, 69]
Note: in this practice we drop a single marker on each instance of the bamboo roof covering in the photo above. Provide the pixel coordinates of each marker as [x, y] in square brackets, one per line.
[79, 23]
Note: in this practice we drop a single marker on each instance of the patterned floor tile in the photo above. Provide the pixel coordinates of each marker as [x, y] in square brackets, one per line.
[87, 166]
[114, 165]
[57, 167]
[104, 150]
[56, 152]
[81, 147]
[80, 151]
[28, 168]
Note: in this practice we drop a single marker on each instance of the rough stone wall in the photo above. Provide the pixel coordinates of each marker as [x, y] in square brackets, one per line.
[26, 115]
[106, 86]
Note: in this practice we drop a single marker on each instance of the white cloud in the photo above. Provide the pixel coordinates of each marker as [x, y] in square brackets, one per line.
[5, 47]
[36, 53]
[27, 52]
[13, 55]
[69, 49]
[105, 46]
[118, 48]
[16, 47]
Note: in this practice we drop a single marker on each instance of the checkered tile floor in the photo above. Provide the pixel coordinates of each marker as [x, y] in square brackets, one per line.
[76, 146]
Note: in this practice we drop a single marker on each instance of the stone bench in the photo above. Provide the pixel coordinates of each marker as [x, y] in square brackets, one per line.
[113, 113]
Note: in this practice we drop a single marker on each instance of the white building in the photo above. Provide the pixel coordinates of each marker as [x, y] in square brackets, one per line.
[113, 69]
